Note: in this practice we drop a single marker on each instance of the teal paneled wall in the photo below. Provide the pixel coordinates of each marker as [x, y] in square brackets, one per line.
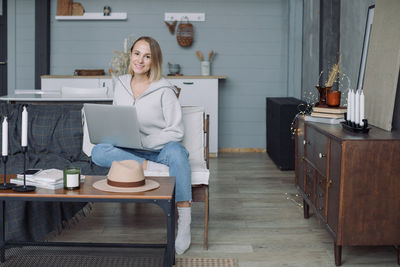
[250, 39]
[310, 60]
[23, 24]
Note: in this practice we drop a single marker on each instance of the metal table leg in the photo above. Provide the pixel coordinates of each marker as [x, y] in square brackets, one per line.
[2, 231]
[169, 209]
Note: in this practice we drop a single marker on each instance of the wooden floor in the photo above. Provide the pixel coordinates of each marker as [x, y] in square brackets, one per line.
[255, 216]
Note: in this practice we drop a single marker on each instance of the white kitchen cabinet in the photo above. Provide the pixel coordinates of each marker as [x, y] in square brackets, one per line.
[195, 91]
[201, 92]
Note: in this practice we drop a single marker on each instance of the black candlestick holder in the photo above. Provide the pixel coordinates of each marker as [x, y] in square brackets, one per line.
[5, 185]
[24, 188]
[353, 127]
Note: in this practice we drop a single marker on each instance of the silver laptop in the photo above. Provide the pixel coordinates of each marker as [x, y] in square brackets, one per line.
[115, 125]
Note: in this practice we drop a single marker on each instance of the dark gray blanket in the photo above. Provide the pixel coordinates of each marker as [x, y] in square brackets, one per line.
[54, 141]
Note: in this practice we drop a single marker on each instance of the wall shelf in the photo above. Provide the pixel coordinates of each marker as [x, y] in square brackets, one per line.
[95, 16]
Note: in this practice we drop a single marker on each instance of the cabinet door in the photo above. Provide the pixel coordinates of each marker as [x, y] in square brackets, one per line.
[299, 155]
[334, 185]
[203, 93]
[320, 196]
[309, 185]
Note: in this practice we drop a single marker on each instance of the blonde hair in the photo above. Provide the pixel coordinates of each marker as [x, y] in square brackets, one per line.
[156, 58]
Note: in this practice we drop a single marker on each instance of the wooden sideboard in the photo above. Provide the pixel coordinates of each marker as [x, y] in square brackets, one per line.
[351, 182]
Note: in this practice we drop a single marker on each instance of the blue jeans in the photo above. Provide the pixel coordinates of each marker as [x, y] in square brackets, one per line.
[173, 154]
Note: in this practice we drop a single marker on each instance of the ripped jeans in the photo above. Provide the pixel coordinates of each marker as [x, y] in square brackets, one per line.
[173, 154]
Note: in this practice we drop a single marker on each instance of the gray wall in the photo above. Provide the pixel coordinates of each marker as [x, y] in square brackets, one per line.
[251, 39]
[310, 60]
[352, 29]
[21, 44]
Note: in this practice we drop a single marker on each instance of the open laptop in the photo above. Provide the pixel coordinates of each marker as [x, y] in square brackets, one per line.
[115, 125]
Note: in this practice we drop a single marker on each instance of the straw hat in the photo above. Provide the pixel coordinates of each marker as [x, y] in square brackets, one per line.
[126, 176]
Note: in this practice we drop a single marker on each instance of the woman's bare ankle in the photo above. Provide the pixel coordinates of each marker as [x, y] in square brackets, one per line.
[144, 164]
[184, 204]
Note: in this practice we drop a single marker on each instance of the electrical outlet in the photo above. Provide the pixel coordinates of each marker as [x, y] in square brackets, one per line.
[185, 16]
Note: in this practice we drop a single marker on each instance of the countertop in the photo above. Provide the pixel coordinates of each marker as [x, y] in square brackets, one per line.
[43, 96]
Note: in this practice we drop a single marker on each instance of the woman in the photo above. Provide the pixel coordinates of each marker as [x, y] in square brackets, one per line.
[161, 127]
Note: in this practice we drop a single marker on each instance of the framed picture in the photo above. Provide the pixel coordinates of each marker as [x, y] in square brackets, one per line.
[368, 26]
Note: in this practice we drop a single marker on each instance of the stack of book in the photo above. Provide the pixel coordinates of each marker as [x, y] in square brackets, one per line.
[49, 179]
[331, 115]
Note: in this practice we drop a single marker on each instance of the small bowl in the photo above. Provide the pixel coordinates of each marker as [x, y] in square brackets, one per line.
[174, 68]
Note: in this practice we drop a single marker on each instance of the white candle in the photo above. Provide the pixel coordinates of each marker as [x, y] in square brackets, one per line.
[362, 108]
[357, 108]
[4, 150]
[351, 118]
[125, 45]
[24, 133]
[348, 104]
[72, 180]
[353, 107]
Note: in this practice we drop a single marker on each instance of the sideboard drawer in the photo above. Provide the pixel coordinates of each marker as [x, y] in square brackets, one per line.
[316, 149]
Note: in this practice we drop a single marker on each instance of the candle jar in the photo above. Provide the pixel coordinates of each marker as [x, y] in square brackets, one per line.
[205, 68]
[72, 178]
[334, 98]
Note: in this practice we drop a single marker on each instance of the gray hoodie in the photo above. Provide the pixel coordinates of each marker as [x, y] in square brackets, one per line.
[158, 109]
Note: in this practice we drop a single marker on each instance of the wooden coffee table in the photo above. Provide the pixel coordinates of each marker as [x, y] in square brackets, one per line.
[164, 197]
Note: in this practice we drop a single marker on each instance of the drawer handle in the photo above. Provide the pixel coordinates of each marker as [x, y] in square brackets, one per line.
[308, 195]
[305, 142]
[320, 155]
[330, 182]
[187, 82]
[321, 209]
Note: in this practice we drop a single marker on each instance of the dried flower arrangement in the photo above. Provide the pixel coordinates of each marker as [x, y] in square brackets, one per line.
[119, 64]
[333, 75]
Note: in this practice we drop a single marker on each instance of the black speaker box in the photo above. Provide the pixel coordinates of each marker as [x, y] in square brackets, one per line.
[280, 142]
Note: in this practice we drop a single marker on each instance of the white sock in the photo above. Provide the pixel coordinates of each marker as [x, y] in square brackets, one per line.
[183, 237]
[154, 166]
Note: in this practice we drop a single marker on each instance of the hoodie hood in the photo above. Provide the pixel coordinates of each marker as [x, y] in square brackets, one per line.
[154, 86]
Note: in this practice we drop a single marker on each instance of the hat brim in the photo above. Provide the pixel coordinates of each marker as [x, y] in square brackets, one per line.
[103, 186]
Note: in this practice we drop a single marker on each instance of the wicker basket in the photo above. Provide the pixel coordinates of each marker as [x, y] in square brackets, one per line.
[184, 34]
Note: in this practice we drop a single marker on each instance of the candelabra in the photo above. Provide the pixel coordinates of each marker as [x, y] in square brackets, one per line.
[24, 188]
[5, 185]
[355, 127]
